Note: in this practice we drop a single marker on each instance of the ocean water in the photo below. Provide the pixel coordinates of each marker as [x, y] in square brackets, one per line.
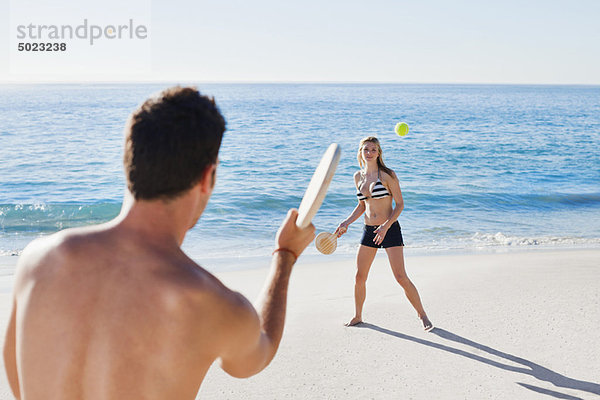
[482, 168]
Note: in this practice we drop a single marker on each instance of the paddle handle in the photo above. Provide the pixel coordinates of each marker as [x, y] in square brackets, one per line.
[303, 222]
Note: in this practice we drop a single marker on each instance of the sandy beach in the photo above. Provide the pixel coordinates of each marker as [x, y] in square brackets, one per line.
[508, 326]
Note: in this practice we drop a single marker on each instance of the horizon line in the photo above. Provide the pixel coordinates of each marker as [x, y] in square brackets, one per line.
[266, 82]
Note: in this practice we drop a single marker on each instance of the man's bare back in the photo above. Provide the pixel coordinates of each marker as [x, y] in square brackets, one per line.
[96, 327]
[118, 311]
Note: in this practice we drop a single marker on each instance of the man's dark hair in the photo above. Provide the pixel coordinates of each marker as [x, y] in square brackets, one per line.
[170, 140]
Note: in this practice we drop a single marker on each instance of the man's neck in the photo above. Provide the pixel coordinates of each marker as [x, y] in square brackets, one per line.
[159, 222]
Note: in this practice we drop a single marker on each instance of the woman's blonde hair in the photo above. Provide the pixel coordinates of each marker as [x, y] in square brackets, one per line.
[380, 163]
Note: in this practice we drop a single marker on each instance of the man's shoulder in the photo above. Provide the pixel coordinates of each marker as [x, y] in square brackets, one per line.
[42, 253]
[202, 292]
[203, 284]
[39, 249]
[57, 243]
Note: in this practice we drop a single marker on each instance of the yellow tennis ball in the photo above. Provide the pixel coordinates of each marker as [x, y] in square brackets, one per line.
[401, 128]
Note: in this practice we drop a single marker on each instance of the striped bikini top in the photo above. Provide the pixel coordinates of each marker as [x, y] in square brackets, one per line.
[379, 191]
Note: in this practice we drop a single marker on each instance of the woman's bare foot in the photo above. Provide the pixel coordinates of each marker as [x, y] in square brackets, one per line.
[354, 321]
[427, 325]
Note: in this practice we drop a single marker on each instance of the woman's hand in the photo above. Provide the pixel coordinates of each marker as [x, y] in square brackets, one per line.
[341, 229]
[380, 234]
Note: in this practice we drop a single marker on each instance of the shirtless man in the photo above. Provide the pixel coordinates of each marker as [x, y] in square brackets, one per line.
[118, 311]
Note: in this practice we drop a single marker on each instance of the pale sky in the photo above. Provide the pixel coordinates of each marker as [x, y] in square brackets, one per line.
[524, 42]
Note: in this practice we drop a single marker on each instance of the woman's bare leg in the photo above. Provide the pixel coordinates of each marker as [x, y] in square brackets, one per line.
[364, 259]
[396, 257]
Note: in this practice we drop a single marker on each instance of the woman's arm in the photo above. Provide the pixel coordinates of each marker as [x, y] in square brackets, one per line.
[391, 180]
[394, 187]
[357, 212]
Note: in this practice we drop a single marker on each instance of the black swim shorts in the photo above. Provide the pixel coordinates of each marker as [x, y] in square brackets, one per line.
[392, 238]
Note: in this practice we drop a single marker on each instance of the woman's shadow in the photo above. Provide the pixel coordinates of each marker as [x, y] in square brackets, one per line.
[528, 367]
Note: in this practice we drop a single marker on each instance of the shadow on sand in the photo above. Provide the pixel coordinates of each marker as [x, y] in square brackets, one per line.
[528, 367]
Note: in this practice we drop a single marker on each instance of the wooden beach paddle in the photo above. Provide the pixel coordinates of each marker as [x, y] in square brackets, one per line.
[317, 188]
[326, 242]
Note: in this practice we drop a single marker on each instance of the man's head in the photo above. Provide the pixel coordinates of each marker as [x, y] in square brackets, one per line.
[170, 141]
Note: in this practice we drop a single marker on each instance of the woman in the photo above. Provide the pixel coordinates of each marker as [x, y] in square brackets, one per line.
[378, 188]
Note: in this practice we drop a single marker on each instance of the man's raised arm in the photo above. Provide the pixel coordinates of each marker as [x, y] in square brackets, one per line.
[255, 337]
